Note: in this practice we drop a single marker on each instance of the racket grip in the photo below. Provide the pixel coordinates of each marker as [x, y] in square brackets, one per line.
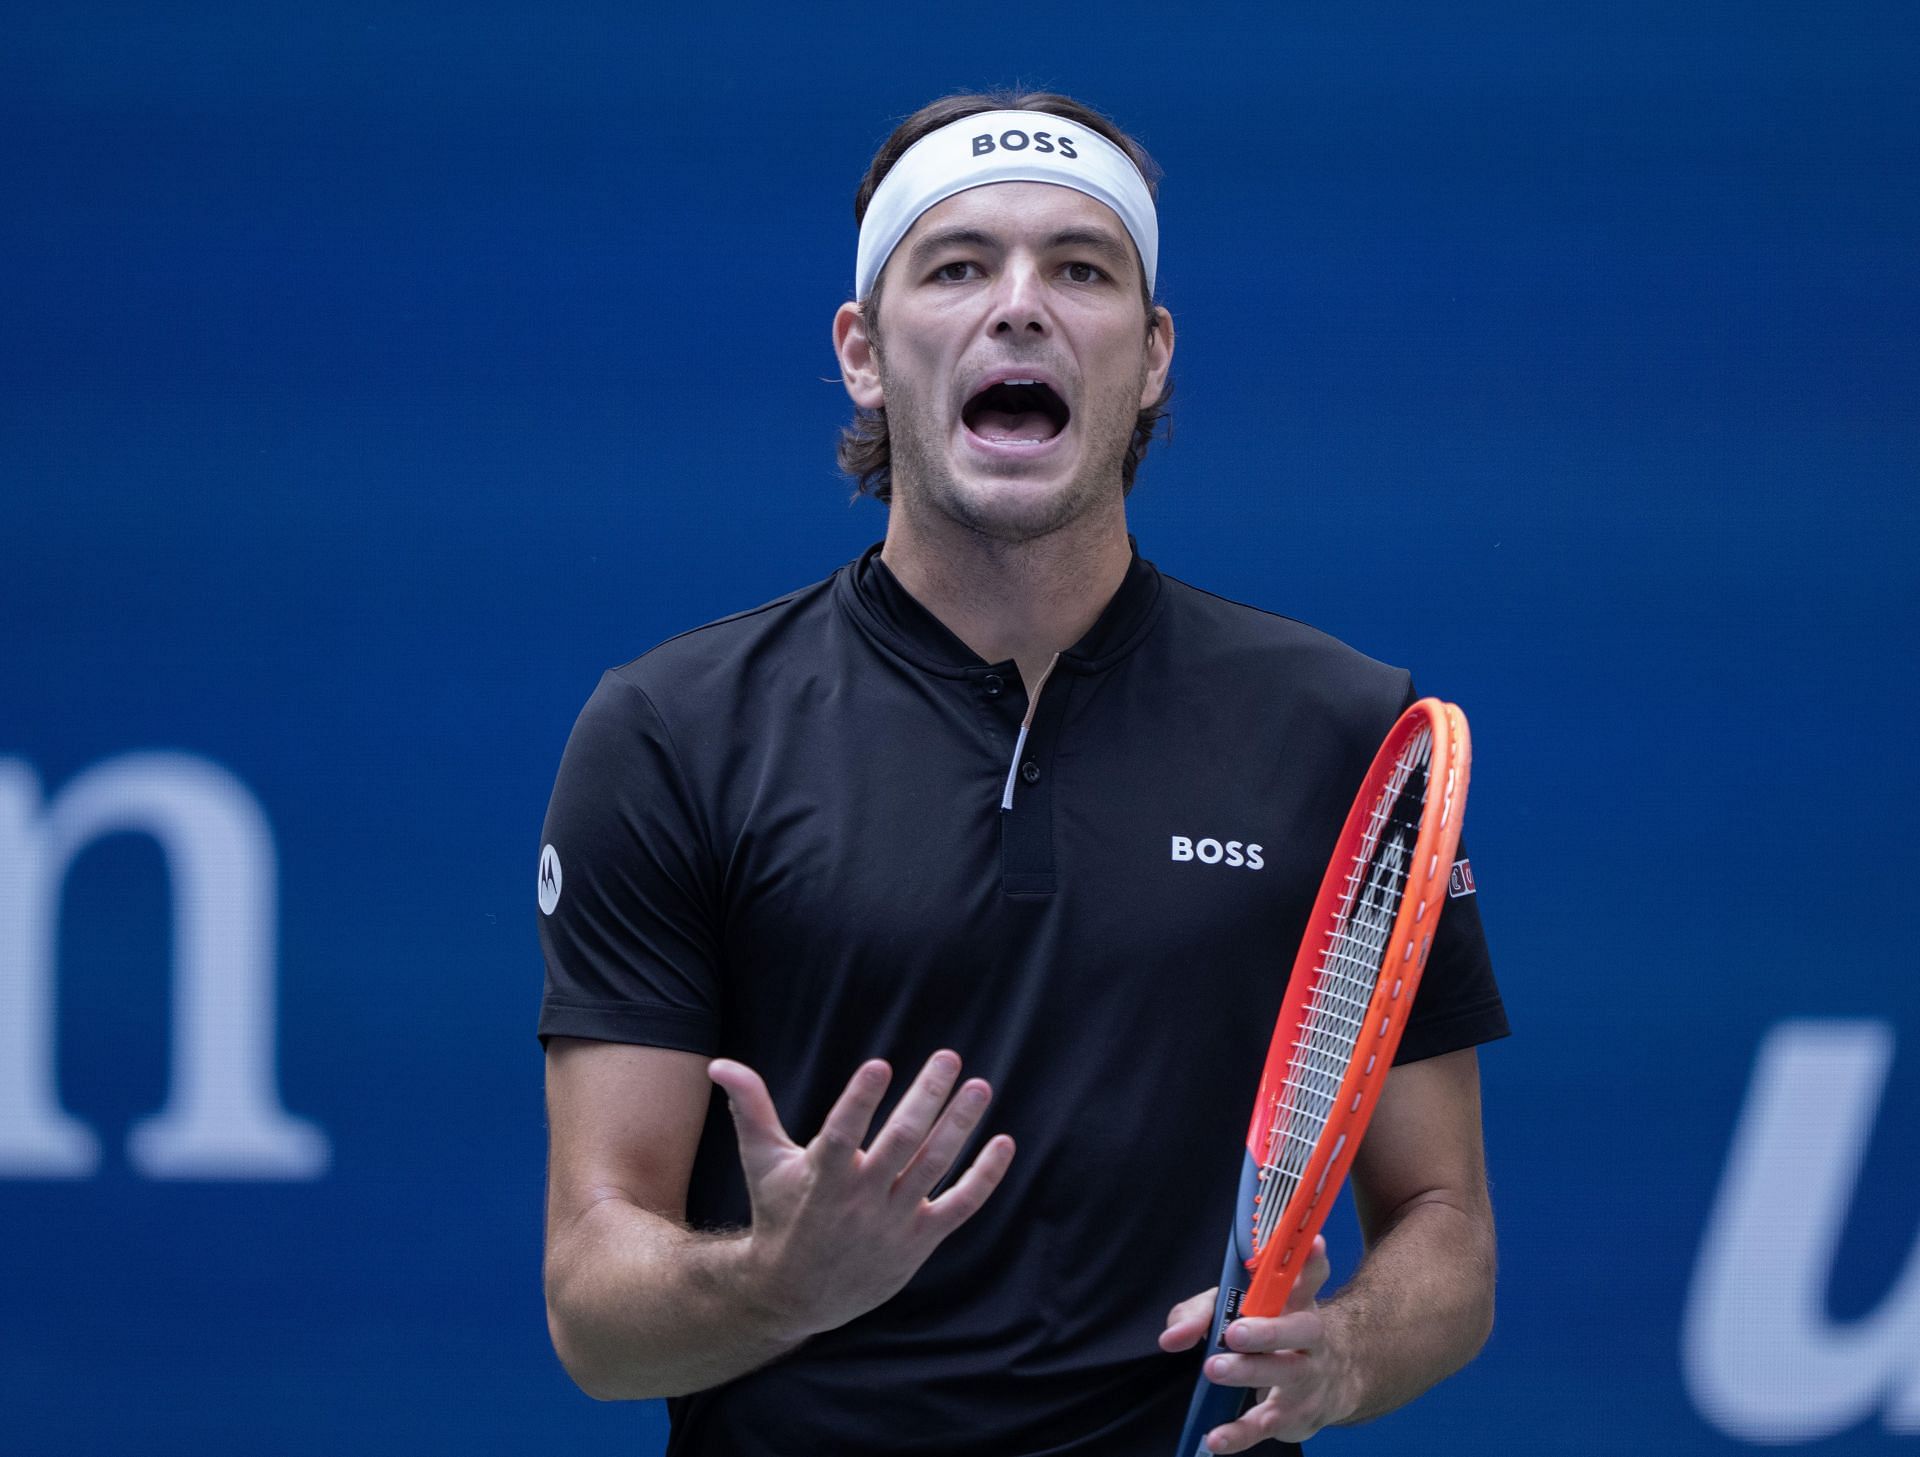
[1211, 1404]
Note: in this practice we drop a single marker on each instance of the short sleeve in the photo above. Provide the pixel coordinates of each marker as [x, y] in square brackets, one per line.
[628, 891]
[1458, 1004]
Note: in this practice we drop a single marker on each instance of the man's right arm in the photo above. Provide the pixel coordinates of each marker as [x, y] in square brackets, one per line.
[639, 1305]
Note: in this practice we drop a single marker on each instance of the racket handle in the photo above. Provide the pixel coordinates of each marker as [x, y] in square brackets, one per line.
[1213, 1404]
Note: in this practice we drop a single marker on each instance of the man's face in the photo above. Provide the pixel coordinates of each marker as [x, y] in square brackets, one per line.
[1014, 356]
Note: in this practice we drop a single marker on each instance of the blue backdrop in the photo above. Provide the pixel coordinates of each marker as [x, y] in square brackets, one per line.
[375, 376]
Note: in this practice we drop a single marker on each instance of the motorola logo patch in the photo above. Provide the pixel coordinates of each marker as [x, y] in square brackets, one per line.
[549, 879]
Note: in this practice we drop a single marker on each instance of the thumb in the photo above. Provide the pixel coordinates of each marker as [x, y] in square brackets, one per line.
[756, 1123]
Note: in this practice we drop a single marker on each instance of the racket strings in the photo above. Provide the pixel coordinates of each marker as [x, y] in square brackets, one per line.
[1343, 987]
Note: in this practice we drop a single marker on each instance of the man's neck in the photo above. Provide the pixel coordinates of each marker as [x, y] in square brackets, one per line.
[1025, 601]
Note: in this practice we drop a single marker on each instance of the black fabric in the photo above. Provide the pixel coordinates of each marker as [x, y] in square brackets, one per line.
[781, 841]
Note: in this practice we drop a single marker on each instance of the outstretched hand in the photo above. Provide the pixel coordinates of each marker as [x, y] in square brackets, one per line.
[1302, 1372]
[838, 1229]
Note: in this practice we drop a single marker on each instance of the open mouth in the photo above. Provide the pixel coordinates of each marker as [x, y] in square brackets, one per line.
[1016, 410]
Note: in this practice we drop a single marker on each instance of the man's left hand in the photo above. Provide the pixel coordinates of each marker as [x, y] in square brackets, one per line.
[1295, 1360]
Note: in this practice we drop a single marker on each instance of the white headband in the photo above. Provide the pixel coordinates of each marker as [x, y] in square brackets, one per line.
[1003, 146]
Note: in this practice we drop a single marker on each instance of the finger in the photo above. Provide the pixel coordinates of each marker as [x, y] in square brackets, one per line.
[1188, 1321]
[1238, 1436]
[845, 1128]
[756, 1124]
[1195, 1307]
[907, 1128]
[943, 1145]
[971, 1190]
[1233, 1437]
[1313, 1276]
[1275, 1369]
[1301, 1330]
[1271, 1418]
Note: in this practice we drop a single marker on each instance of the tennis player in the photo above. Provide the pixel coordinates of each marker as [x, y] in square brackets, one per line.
[913, 940]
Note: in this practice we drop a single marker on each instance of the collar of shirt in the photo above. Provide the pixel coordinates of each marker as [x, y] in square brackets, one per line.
[889, 613]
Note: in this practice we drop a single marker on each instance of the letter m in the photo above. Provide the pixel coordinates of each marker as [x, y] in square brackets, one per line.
[222, 1118]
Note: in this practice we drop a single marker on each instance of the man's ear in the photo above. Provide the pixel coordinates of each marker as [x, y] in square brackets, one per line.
[859, 363]
[1159, 356]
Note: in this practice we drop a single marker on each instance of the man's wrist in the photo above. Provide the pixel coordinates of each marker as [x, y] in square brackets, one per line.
[759, 1287]
[1346, 1381]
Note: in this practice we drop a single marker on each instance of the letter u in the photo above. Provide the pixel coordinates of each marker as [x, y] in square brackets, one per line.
[1762, 1360]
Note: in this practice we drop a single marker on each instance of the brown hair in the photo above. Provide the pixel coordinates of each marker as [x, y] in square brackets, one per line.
[865, 452]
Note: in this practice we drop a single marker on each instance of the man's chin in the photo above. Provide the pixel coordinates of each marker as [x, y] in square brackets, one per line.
[1003, 495]
[1016, 506]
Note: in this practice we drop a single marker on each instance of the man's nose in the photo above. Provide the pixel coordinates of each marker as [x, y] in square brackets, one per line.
[1021, 305]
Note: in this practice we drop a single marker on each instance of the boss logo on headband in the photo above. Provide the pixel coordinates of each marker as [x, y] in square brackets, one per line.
[1017, 141]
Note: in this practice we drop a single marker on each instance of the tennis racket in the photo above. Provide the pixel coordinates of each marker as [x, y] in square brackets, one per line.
[1346, 1006]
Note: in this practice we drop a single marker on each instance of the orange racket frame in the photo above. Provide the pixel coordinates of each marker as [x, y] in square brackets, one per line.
[1258, 1276]
[1276, 1268]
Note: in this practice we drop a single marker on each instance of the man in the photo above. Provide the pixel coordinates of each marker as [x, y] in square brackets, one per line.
[928, 815]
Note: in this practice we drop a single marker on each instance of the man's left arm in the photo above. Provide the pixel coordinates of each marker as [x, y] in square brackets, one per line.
[1419, 1307]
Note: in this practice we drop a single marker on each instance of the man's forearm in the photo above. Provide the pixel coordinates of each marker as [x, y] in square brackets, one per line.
[1418, 1309]
[639, 1306]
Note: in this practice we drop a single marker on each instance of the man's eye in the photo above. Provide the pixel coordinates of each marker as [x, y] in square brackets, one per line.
[952, 272]
[1084, 273]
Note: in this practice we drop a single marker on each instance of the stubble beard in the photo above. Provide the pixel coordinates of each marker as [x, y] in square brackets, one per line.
[923, 478]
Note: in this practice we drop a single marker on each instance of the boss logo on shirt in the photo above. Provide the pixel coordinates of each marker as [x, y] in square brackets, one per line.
[1018, 141]
[1216, 852]
[1460, 882]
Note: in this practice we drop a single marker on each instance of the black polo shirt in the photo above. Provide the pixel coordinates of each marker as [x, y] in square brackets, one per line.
[780, 838]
